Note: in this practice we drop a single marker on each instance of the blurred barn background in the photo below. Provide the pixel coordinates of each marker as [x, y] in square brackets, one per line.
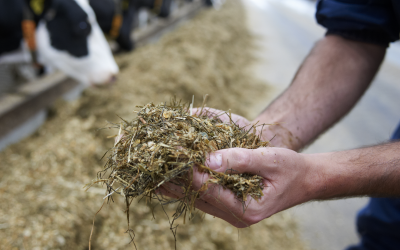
[69, 66]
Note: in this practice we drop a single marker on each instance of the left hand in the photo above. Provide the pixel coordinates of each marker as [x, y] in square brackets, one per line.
[276, 133]
[239, 120]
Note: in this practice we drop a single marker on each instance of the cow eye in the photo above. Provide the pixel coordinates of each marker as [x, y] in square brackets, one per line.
[83, 25]
[82, 28]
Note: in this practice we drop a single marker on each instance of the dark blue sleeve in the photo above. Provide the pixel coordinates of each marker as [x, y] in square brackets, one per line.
[372, 21]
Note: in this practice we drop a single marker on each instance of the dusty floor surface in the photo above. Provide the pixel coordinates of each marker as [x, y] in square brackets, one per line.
[43, 205]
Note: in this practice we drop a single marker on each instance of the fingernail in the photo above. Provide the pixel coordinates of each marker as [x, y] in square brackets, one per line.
[215, 161]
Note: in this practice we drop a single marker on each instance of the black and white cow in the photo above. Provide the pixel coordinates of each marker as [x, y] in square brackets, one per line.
[214, 3]
[161, 7]
[107, 12]
[68, 38]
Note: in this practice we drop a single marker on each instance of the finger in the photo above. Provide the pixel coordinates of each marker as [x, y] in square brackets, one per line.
[165, 192]
[205, 206]
[218, 196]
[223, 115]
[214, 200]
[259, 161]
[222, 198]
[209, 112]
[226, 216]
[208, 208]
[178, 191]
[214, 194]
[174, 189]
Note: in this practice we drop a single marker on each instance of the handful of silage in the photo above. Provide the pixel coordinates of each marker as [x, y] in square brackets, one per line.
[164, 143]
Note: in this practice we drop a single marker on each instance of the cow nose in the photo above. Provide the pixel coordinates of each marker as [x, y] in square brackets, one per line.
[113, 79]
[106, 80]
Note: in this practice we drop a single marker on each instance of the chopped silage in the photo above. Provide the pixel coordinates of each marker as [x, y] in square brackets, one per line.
[43, 204]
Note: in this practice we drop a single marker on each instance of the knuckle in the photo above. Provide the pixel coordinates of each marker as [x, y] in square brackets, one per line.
[239, 224]
[241, 158]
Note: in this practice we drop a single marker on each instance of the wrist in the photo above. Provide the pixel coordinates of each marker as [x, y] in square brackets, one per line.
[280, 136]
[331, 178]
[315, 181]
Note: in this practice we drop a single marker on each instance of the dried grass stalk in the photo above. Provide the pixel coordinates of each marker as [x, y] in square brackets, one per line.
[164, 143]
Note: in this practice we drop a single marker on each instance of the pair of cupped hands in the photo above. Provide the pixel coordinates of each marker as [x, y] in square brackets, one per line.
[288, 180]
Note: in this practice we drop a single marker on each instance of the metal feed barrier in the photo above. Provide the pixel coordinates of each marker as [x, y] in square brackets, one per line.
[24, 110]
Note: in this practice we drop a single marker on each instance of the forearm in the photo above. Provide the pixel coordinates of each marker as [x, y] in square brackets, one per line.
[328, 84]
[372, 171]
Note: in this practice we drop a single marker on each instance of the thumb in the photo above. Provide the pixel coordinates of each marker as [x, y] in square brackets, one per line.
[240, 160]
[214, 160]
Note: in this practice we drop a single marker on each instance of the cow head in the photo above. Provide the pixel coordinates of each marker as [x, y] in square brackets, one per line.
[70, 39]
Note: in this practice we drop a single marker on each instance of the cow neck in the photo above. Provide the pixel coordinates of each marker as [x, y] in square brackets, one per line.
[33, 11]
[117, 19]
[157, 6]
[28, 31]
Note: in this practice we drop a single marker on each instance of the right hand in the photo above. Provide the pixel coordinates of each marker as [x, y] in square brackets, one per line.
[288, 178]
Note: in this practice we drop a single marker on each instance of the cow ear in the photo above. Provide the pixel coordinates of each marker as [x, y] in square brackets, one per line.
[55, 8]
[50, 14]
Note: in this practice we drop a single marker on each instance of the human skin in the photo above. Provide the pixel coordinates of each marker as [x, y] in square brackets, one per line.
[328, 84]
[292, 178]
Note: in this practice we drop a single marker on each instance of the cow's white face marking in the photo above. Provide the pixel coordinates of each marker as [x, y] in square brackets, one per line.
[97, 67]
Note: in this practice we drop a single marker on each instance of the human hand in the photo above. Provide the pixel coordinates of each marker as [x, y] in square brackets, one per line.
[261, 130]
[288, 181]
